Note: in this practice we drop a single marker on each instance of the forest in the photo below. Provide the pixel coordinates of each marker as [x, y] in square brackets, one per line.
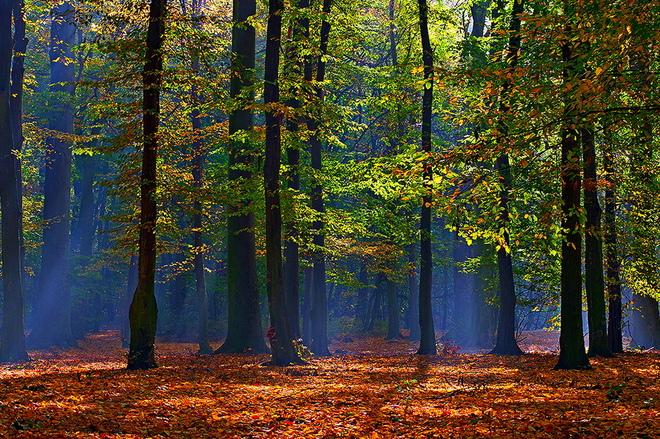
[404, 195]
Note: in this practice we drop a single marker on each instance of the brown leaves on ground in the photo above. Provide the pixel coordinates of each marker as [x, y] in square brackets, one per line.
[375, 389]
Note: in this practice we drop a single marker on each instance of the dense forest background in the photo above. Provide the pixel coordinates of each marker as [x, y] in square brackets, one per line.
[539, 179]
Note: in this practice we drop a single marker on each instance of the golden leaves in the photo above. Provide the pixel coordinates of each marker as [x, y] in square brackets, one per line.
[373, 389]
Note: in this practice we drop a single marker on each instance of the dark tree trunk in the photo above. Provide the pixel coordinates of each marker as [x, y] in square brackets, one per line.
[306, 305]
[291, 266]
[279, 333]
[198, 243]
[593, 253]
[478, 11]
[393, 311]
[319, 305]
[52, 325]
[16, 104]
[198, 158]
[244, 331]
[413, 288]
[143, 312]
[613, 280]
[131, 285]
[572, 354]
[85, 227]
[427, 330]
[506, 343]
[12, 336]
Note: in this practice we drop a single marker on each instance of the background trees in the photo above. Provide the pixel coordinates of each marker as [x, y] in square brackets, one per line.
[357, 104]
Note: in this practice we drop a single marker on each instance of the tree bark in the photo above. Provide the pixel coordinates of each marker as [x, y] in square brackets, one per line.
[52, 325]
[12, 335]
[613, 279]
[143, 312]
[572, 354]
[198, 158]
[291, 268]
[593, 254]
[244, 331]
[413, 288]
[427, 330]
[319, 305]
[506, 343]
[280, 333]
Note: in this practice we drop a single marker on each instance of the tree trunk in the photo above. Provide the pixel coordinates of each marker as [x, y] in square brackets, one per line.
[244, 331]
[143, 312]
[291, 266]
[427, 330]
[16, 104]
[572, 354]
[52, 325]
[198, 158]
[393, 311]
[279, 333]
[613, 280]
[413, 288]
[12, 336]
[319, 306]
[593, 253]
[506, 343]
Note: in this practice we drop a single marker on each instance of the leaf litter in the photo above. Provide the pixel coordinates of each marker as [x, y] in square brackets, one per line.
[374, 389]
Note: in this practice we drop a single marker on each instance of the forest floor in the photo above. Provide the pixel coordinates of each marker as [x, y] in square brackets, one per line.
[369, 389]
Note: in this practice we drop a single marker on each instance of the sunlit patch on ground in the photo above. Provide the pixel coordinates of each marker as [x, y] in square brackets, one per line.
[373, 389]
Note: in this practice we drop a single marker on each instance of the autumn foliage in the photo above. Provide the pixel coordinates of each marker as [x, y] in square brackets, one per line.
[369, 388]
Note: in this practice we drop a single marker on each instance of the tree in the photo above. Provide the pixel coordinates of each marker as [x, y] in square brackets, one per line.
[427, 330]
[593, 264]
[319, 305]
[280, 333]
[506, 343]
[198, 158]
[52, 322]
[143, 312]
[291, 268]
[613, 280]
[244, 321]
[572, 354]
[12, 335]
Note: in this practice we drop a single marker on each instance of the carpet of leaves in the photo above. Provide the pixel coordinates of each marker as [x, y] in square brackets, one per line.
[369, 389]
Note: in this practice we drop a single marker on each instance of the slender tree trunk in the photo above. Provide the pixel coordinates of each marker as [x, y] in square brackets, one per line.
[319, 305]
[413, 288]
[85, 227]
[427, 330]
[198, 244]
[291, 266]
[143, 312]
[506, 343]
[613, 280]
[198, 158]
[593, 265]
[572, 354]
[52, 325]
[306, 305]
[244, 331]
[393, 311]
[16, 104]
[280, 333]
[12, 336]
[131, 285]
